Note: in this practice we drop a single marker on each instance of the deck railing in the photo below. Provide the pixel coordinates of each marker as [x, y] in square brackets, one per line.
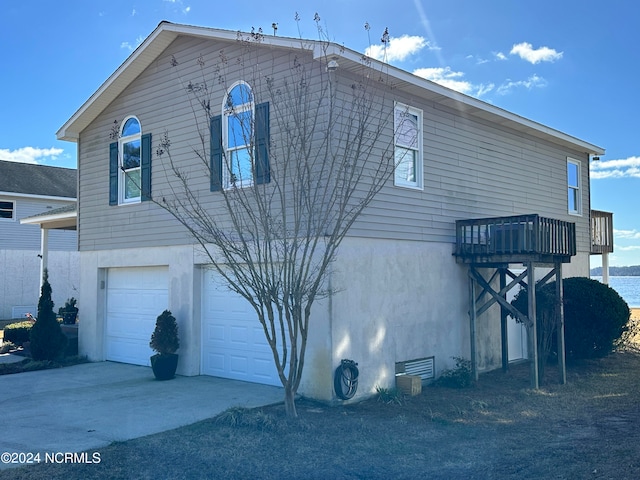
[601, 232]
[517, 235]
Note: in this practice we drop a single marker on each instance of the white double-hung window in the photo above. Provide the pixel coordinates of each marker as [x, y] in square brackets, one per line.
[574, 200]
[408, 146]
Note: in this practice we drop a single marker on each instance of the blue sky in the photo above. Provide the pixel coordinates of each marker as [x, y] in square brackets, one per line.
[572, 65]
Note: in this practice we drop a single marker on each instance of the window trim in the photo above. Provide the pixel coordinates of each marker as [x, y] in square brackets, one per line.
[13, 210]
[419, 183]
[226, 113]
[576, 188]
[121, 171]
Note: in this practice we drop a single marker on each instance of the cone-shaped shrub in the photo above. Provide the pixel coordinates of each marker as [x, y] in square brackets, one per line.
[165, 336]
[47, 339]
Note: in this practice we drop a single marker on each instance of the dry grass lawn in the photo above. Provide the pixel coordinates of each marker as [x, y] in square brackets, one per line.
[498, 429]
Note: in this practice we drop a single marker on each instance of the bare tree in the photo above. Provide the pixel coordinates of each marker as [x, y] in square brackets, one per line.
[289, 180]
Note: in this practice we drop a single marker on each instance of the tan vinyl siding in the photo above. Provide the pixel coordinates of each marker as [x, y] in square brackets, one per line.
[472, 168]
[475, 169]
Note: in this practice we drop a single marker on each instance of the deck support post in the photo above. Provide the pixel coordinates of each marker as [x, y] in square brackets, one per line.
[533, 328]
[504, 334]
[605, 268]
[562, 363]
[472, 326]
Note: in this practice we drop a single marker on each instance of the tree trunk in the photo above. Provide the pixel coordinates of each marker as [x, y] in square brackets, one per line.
[290, 402]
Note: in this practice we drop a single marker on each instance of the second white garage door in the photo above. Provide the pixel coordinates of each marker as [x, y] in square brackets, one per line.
[135, 298]
[233, 342]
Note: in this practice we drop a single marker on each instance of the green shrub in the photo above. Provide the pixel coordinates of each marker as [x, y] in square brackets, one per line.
[389, 395]
[164, 338]
[459, 377]
[595, 316]
[47, 340]
[18, 332]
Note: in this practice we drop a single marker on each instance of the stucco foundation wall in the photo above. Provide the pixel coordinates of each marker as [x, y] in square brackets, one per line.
[391, 301]
[20, 279]
[397, 301]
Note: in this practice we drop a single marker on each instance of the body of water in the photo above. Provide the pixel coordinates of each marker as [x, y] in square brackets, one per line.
[627, 287]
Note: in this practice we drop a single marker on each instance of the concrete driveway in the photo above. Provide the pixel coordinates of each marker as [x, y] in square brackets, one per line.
[88, 406]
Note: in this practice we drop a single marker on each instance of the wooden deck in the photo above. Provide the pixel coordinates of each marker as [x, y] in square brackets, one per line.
[515, 239]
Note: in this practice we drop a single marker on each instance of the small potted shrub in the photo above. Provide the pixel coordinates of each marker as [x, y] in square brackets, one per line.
[164, 341]
[69, 312]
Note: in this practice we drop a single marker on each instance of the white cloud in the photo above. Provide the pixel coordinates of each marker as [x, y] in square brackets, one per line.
[131, 48]
[629, 248]
[399, 48]
[534, 81]
[633, 234]
[183, 9]
[627, 167]
[30, 154]
[453, 80]
[478, 60]
[500, 56]
[543, 54]
[133, 12]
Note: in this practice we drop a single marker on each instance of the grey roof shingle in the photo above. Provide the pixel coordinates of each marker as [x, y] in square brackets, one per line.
[32, 179]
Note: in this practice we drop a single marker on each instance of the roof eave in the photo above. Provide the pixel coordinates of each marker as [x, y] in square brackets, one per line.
[167, 32]
[134, 65]
[66, 220]
[466, 104]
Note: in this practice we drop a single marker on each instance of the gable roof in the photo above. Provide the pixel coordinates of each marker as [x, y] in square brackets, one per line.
[39, 180]
[166, 32]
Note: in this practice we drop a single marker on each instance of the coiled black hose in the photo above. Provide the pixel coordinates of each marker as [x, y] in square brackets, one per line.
[345, 380]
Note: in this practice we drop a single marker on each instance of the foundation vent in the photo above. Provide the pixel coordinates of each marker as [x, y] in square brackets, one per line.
[421, 367]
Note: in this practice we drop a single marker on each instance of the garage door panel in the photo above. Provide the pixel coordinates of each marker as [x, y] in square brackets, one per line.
[135, 297]
[238, 336]
[263, 368]
[233, 344]
[213, 363]
[259, 340]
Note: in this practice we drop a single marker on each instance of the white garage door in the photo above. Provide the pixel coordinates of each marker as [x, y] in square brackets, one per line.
[233, 342]
[135, 298]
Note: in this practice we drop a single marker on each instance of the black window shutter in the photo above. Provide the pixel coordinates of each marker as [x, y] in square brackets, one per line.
[145, 168]
[216, 153]
[113, 173]
[263, 171]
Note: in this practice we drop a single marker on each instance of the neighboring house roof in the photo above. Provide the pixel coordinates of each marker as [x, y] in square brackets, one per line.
[64, 218]
[38, 180]
[166, 32]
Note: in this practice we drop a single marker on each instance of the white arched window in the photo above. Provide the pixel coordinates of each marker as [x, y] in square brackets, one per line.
[129, 149]
[237, 133]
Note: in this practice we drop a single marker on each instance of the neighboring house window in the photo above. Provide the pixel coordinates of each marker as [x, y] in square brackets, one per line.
[240, 141]
[7, 210]
[573, 186]
[130, 165]
[408, 146]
